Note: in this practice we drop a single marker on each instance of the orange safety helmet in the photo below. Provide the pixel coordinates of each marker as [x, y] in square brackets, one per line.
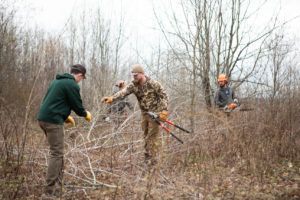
[222, 77]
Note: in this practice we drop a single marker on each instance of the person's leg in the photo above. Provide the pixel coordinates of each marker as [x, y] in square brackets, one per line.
[145, 125]
[152, 148]
[55, 137]
[153, 142]
[151, 139]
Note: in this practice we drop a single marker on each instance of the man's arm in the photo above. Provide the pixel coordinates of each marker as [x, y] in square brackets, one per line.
[75, 101]
[124, 92]
[121, 94]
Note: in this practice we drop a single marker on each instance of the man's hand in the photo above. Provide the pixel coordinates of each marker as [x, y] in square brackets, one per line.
[107, 100]
[163, 115]
[70, 120]
[88, 116]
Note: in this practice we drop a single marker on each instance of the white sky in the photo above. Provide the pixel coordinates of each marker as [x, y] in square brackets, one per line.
[52, 15]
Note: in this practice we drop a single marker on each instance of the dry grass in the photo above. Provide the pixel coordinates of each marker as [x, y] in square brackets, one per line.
[246, 156]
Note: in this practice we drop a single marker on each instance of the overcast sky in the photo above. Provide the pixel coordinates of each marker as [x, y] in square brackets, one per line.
[52, 15]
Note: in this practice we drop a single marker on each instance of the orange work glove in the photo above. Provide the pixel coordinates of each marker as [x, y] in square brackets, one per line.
[232, 106]
[107, 100]
[70, 120]
[88, 116]
[163, 115]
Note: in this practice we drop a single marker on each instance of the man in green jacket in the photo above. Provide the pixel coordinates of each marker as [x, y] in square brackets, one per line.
[63, 95]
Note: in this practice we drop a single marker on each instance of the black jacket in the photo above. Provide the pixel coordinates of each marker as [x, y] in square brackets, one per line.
[224, 96]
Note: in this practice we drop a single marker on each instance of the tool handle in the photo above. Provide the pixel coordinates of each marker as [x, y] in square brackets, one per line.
[174, 136]
[168, 130]
[183, 129]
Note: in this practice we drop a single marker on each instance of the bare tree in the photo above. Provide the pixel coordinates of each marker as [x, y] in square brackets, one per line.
[8, 47]
[213, 37]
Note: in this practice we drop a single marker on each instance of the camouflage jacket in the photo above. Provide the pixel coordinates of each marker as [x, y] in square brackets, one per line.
[151, 96]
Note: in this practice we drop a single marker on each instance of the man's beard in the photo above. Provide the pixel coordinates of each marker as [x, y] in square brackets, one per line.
[136, 81]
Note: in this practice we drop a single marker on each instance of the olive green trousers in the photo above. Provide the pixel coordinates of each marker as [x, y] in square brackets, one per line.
[152, 141]
[55, 138]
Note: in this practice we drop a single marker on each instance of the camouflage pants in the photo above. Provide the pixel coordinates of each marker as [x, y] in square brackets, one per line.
[55, 138]
[151, 139]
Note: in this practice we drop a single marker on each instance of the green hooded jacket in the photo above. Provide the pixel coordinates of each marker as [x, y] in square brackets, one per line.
[63, 95]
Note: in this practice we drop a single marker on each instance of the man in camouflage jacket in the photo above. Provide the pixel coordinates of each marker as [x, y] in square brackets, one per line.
[152, 98]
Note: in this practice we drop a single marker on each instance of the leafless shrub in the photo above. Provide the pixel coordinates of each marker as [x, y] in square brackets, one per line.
[224, 157]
